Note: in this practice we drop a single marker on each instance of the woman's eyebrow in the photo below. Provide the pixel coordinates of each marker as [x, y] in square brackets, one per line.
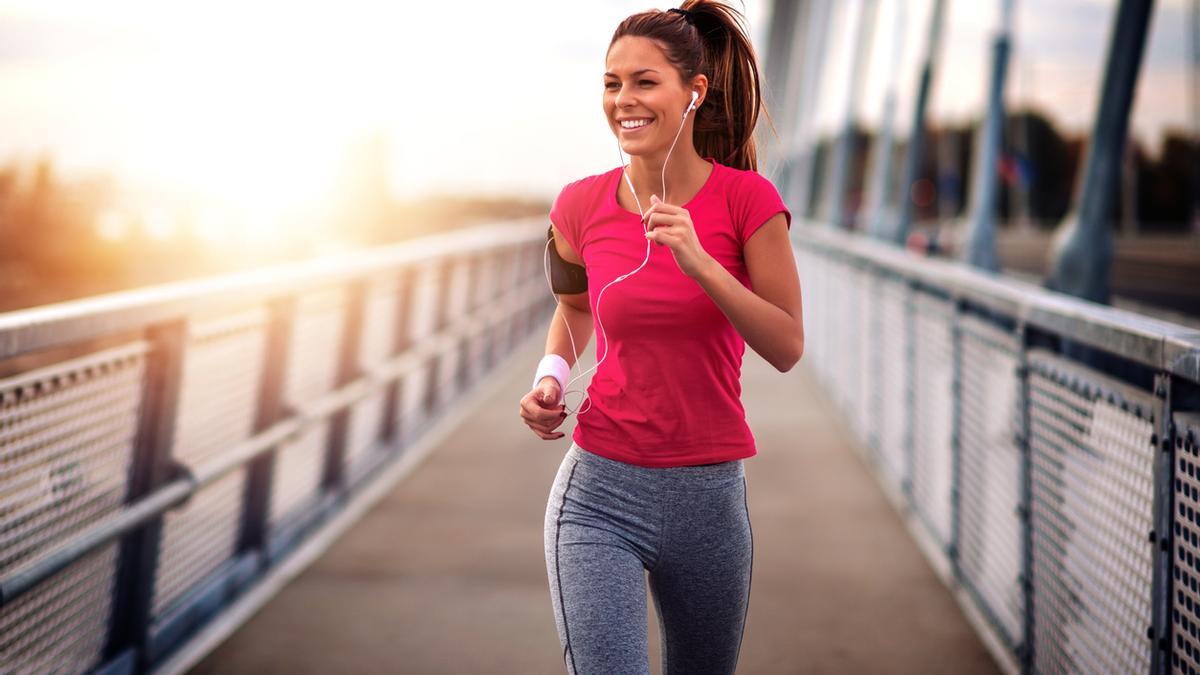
[635, 73]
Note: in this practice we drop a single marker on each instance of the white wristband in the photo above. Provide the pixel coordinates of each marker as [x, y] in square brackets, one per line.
[555, 366]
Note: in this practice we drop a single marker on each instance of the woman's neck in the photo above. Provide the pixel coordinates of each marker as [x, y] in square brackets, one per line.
[686, 172]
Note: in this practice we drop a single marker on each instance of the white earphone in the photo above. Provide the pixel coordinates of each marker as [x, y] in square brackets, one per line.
[600, 296]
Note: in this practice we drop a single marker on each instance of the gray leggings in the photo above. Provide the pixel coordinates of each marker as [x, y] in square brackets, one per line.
[607, 522]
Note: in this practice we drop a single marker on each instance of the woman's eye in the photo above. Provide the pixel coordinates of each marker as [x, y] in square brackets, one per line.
[611, 85]
[647, 83]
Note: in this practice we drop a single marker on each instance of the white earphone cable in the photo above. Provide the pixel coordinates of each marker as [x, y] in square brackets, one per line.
[600, 296]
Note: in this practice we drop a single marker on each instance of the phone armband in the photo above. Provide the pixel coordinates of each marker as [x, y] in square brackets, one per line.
[565, 277]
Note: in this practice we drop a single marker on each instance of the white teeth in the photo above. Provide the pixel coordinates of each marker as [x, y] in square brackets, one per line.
[633, 124]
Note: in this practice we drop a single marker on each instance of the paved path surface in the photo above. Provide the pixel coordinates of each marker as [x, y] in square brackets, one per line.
[446, 574]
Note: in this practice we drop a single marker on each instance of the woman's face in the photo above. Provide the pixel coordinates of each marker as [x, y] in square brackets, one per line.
[644, 96]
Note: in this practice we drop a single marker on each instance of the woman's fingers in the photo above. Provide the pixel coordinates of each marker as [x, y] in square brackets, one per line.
[546, 427]
[540, 419]
[662, 209]
[665, 235]
[661, 220]
[533, 408]
[659, 213]
[546, 431]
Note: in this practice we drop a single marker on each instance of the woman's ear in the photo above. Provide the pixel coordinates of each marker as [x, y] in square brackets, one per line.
[700, 85]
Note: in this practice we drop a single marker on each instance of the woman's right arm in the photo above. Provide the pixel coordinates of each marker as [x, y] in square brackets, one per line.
[573, 310]
[540, 408]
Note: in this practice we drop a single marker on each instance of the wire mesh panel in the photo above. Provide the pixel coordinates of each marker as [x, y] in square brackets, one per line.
[1185, 598]
[381, 320]
[826, 328]
[61, 625]
[933, 409]
[311, 372]
[222, 372]
[811, 272]
[66, 442]
[848, 339]
[850, 343]
[1092, 503]
[990, 549]
[868, 343]
[514, 276]
[893, 391]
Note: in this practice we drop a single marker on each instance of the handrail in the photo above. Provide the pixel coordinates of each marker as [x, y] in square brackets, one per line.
[75, 321]
[1159, 344]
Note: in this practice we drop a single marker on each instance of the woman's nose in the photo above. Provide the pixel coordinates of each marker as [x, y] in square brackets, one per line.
[624, 97]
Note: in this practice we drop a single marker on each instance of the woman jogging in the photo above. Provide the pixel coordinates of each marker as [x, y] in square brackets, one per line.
[684, 258]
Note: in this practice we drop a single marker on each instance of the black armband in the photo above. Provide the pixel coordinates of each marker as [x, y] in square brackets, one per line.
[565, 277]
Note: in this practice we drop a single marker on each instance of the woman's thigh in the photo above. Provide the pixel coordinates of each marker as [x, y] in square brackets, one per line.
[597, 578]
[701, 586]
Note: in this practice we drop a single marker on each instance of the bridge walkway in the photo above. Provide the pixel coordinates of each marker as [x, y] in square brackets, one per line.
[445, 574]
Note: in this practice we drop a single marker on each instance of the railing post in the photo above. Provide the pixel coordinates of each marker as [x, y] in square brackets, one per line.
[441, 293]
[910, 382]
[467, 370]
[1163, 534]
[271, 408]
[347, 371]
[152, 467]
[394, 431]
[956, 392]
[1025, 651]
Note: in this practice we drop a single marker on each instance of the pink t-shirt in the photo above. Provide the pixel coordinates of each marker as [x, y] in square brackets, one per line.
[669, 392]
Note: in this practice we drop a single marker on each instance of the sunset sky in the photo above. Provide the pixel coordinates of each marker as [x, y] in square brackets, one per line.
[232, 97]
[257, 104]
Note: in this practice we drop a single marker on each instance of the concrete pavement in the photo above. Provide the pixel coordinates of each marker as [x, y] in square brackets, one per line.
[446, 575]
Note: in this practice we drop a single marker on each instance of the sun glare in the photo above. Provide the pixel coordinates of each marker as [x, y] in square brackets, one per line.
[243, 116]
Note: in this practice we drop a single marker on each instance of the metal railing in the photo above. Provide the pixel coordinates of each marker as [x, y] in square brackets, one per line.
[162, 450]
[1044, 448]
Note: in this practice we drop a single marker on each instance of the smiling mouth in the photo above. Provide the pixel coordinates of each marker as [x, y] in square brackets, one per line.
[635, 125]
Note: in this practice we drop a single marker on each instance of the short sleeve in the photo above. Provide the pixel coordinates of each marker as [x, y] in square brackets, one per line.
[564, 215]
[754, 200]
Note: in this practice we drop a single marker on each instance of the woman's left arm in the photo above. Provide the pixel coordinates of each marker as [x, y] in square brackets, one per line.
[769, 318]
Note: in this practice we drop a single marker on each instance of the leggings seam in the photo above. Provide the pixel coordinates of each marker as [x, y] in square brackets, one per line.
[562, 604]
[750, 577]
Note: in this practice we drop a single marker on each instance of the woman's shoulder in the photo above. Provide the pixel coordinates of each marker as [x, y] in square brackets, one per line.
[743, 178]
[580, 197]
[751, 198]
[588, 184]
[583, 194]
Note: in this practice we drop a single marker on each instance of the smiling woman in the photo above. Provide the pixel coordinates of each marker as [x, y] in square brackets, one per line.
[654, 478]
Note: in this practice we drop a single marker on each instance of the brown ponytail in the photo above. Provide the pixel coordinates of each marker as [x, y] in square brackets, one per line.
[709, 38]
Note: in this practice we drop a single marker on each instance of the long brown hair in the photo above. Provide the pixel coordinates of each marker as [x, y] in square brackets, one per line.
[710, 38]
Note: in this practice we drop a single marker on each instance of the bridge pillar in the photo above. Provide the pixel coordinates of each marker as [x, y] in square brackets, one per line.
[1083, 243]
